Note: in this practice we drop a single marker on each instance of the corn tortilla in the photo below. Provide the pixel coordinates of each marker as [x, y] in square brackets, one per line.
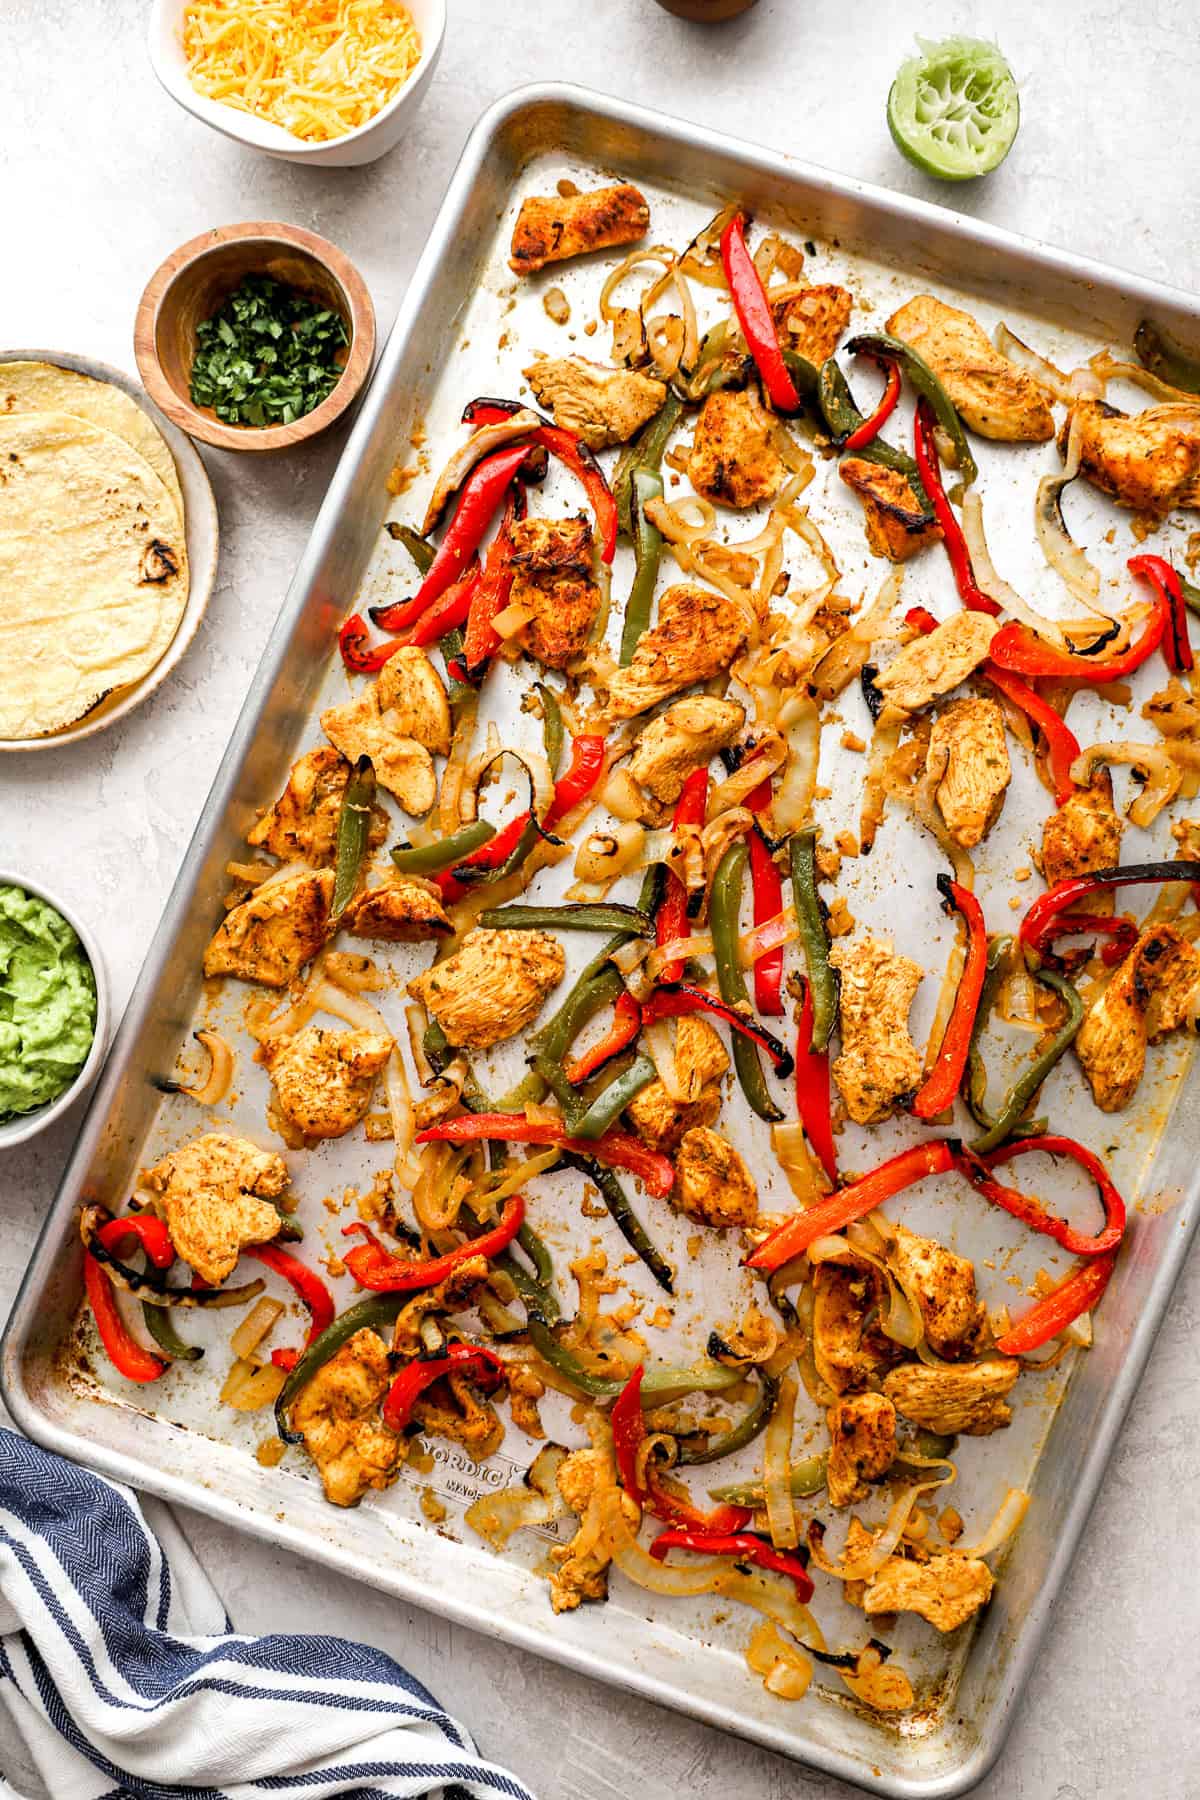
[93, 569]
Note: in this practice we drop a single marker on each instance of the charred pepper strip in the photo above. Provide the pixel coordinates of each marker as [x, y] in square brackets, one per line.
[842, 416]
[1118, 928]
[448, 612]
[975, 1088]
[353, 830]
[149, 1231]
[1017, 648]
[646, 453]
[645, 485]
[936, 1157]
[1012, 1108]
[681, 998]
[930, 389]
[666, 1378]
[1031, 1211]
[814, 939]
[753, 310]
[419, 548]
[945, 1078]
[124, 1352]
[611, 1102]
[307, 1286]
[482, 495]
[743, 1546]
[478, 1364]
[1041, 922]
[970, 592]
[161, 1326]
[431, 859]
[752, 1424]
[374, 1267]
[1062, 746]
[643, 1485]
[569, 450]
[624, 1218]
[358, 654]
[766, 885]
[615, 1147]
[571, 915]
[870, 428]
[375, 1313]
[627, 1022]
[671, 920]
[1077, 1293]
[1157, 571]
[724, 906]
[812, 1089]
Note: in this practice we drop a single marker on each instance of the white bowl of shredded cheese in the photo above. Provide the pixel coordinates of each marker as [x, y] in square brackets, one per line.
[333, 84]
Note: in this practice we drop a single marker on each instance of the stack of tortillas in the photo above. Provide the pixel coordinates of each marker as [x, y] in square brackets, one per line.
[93, 553]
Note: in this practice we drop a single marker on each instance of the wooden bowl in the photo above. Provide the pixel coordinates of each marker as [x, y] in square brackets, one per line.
[198, 277]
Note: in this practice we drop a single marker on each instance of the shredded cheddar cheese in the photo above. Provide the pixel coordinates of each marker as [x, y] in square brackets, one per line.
[318, 68]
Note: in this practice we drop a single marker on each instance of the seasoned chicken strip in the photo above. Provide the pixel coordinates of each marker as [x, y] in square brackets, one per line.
[944, 1285]
[968, 755]
[214, 1195]
[849, 1347]
[324, 1080]
[402, 910]
[1145, 999]
[302, 824]
[947, 1590]
[582, 1572]
[554, 577]
[337, 1413]
[681, 740]
[812, 321]
[697, 636]
[969, 1400]
[412, 696]
[700, 1062]
[733, 460]
[895, 525]
[552, 227]
[879, 1063]
[1083, 834]
[862, 1446]
[601, 406]
[712, 1183]
[492, 987]
[271, 936]
[1148, 460]
[934, 664]
[402, 765]
[995, 397]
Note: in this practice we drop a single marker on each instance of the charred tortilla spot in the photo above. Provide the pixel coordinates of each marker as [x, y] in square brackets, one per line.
[159, 562]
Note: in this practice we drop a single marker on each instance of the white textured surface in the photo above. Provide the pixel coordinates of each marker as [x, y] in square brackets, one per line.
[101, 176]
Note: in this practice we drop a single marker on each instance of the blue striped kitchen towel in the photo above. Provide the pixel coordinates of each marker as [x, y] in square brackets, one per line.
[125, 1681]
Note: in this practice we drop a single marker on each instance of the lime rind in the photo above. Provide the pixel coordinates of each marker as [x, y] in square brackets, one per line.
[954, 110]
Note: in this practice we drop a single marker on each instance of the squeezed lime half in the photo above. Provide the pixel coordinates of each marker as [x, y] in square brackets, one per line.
[954, 109]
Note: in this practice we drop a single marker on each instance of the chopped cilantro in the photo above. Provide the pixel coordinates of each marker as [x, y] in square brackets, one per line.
[267, 356]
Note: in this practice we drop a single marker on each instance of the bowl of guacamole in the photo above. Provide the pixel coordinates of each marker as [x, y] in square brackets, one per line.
[53, 1008]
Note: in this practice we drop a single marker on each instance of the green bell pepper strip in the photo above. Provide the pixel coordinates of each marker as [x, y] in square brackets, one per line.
[624, 1218]
[974, 1090]
[611, 1102]
[459, 691]
[553, 731]
[724, 906]
[161, 1326]
[880, 343]
[808, 1477]
[568, 916]
[353, 830]
[647, 544]
[431, 859]
[843, 418]
[376, 1311]
[421, 552]
[537, 1291]
[1008, 1117]
[806, 377]
[752, 1422]
[1164, 358]
[1190, 592]
[645, 453]
[666, 1378]
[814, 938]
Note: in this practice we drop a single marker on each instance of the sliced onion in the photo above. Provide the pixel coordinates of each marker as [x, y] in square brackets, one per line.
[653, 253]
[991, 583]
[1105, 367]
[606, 855]
[1152, 761]
[511, 619]
[400, 1112]
[355, 972]
[481, 443]
[777, 1467]
[885, 741]
[772, 934]
[501, 1183]
[786, 1672]
[872, 1558]
[770, 754]
[215, 1085]
[879, 1684]
[1058, 546]
[800, 721]
[804, 1174]
[660, 1047]
[248, 1388]
[622, 796]
[700, 944]
[1010, 345]
[1012, 1510]
[250, 874]
[454, 775]
[849, 654]
[497, 1516]
[254, 1327]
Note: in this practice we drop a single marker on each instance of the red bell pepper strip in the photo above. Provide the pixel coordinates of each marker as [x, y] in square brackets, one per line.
[617, 1148]
[935, 1157]
[360, 656]
[1030, 1210]
[492, 592]
[1041, 923]
[945, 1078]
[449, 610]
[308, 1287]
[588, 754]
[767, 887]
[569, 450]
[1077, 1293]
[744, 1546]
[1062, 746]
[1017, 648]
[671, 921]
[681, 998]
[929, 469]
[124, 1352]
[472, 1360]
[627, 1022]
[1122, 931]
[812, 1089]
[629, 1432]
[870, 428]
[1165, 581]
[921, 619]
[150, 1232]
[753, 309]
[483, 493]
[374, 1267]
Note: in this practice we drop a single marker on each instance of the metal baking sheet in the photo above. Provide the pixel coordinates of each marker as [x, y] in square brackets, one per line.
[465, 328]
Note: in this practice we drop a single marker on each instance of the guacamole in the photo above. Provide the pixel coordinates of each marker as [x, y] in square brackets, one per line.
[47, 1003]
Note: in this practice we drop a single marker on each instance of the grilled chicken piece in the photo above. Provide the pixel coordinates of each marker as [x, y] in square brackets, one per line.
[697, 636]
[552, 227]
[895, 524]
[862, 1446]
[402, 765]
[302, 824]
[879, 1063]
[454, 1295]
[947, 1590]
[849, 1347]
[932, 665]
[337, 1414]
[600, 405]
[215, 1195]
[733, 460]
[995, 397]
[402, 910]
[271, 936]
[582, 1575]
[944, 1285]
[969, 1400]
[712, 1183]
[553, 563]
[412, 696]
[700, 1062]
[324, 1080]
[812, 322]
[681, 740]
[969, 752]
[1083, 834]
[492, 987]
[1149, 461]
[1146, 998]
